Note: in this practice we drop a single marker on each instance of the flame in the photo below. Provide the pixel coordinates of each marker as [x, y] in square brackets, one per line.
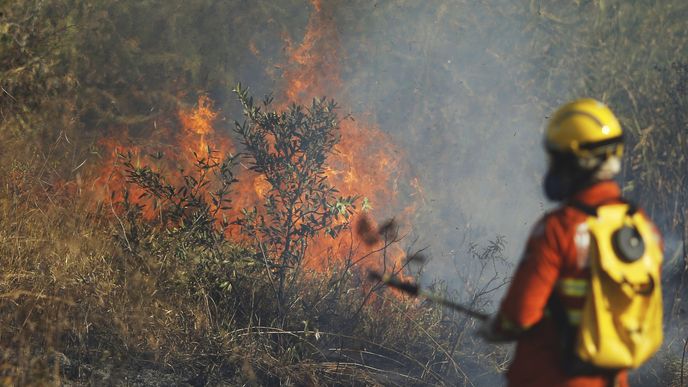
[197, 124]
[365, 162]
[109, 181]
[313, 69]
[177, 144]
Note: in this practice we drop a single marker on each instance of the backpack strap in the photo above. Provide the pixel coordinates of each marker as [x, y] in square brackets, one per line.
[592, 209]
[632, 208]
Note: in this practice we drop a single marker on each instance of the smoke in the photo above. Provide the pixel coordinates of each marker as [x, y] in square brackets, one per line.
[460, 91]
[448, 87]
[445, 82]
[464, 89]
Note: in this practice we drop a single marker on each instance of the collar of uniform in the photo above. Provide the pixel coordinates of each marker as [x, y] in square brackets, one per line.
[598, 193]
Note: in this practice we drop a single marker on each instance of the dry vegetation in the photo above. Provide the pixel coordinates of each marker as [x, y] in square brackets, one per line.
[93, 293]
[82, 304]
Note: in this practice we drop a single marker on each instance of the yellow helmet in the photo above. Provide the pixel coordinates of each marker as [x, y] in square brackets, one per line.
[585, 128]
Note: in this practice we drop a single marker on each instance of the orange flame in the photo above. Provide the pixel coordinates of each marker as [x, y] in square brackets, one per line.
[365, 162]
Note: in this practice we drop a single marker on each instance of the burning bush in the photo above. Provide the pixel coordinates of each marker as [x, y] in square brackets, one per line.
[290, 149]
[193, 290]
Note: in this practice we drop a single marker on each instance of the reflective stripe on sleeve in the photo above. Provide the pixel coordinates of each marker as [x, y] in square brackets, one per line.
[573, 287]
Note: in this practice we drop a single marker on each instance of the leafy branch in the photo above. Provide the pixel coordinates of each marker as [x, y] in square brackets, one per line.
[289, 149]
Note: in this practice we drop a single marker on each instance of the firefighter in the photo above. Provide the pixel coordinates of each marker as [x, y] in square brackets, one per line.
[584, 142]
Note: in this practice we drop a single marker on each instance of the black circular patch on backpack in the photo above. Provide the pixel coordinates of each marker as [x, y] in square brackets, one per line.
[628, 244]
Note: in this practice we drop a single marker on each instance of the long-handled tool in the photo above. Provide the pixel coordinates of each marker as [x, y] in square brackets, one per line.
[415, 290]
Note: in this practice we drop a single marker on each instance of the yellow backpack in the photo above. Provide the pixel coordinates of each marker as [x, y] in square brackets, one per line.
[621, 322]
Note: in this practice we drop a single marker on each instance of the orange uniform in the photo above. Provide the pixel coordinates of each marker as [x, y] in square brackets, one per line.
[555, 257]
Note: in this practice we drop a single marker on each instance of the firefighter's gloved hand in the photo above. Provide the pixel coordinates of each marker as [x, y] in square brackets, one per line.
[490, 330]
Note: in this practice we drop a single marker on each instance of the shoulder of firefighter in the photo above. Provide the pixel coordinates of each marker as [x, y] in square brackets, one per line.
[587, 268]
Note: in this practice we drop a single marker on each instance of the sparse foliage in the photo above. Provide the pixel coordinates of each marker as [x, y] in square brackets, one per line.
[289, 149]
[192, 209]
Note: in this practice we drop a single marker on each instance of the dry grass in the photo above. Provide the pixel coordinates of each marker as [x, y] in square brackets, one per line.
[80, 307]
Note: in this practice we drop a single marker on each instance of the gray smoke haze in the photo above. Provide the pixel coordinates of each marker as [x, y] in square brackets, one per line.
[446, 81]
[443, 83]
[465, 88]
[462, 89]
